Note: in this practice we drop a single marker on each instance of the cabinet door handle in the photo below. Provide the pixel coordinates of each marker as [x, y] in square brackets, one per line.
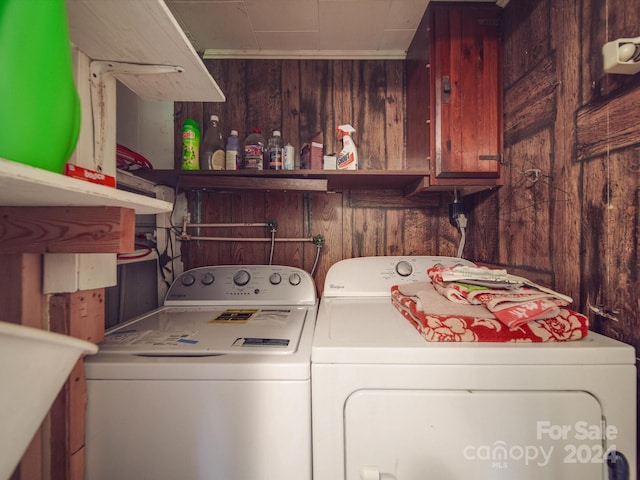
[446, 89]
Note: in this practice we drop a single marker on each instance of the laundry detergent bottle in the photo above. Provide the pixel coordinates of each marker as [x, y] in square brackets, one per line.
[36, 82]
[348, 156]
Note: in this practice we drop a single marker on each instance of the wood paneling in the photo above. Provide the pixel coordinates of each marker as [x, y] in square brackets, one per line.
[530, 102]
[526, 38]
[301, 98]
[569, 207]
[608, 126]
[569, 213]
[524, 216]
[610, 230]
[571, 173]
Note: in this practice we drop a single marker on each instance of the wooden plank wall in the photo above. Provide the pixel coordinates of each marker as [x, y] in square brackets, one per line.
[301, 98]
[569, 212]
[570, 207]
[568, 215]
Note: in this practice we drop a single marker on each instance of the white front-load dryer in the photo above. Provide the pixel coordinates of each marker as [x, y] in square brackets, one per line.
[387, 404]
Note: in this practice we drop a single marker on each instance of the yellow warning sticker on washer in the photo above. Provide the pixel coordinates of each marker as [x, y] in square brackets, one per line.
[235, 316]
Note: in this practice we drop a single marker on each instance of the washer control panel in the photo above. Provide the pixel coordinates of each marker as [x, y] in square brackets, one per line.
[259, 284]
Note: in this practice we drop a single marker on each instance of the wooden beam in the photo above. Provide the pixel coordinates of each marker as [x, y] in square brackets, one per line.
[66, 230]
[81, 315]
[391, 199]
[21, 289]
[608, 126]
[249, 183]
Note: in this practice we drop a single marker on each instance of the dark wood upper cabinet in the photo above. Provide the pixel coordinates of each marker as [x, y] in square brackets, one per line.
[454, 95]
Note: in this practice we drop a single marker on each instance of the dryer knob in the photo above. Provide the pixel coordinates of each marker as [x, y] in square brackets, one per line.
[294, 279]
[241, 278]
[188, 280]
[275, 278]
[207, 279]
[404, 268]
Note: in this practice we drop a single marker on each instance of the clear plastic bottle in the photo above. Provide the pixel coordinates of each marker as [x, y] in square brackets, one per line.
[275, 151]
[289, 159]
[254, 149]
[233, 152]
[212, 153]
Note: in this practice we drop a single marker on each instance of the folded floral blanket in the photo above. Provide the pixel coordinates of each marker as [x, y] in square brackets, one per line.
[513, 305]
[439, 320]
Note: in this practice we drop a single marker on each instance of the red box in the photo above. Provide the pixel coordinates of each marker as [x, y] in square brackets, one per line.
[88, 175]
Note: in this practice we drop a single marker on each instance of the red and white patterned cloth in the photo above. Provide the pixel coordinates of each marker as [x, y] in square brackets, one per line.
[513, 306]
[450, 322]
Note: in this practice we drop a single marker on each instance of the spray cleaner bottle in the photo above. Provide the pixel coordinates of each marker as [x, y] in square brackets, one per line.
[348, 156]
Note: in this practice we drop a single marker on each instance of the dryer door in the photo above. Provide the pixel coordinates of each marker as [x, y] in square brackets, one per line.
[463, 434]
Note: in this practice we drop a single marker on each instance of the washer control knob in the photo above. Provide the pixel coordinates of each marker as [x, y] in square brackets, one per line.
[241, 278]
[294, 279]
[188, 280]
[404, 268]
[207, 279]
[275, 278]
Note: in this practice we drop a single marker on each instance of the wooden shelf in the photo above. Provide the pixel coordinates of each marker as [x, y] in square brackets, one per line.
[408, 181]
[25, 186]
[142, 32]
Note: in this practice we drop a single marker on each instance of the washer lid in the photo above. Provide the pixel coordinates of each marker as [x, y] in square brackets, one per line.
[369, 330]
[207, 331]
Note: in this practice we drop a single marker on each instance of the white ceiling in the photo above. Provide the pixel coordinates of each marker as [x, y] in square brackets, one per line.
[300, 28]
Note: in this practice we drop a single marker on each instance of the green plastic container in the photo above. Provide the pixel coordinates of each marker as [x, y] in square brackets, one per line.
[39, 104]
[190, 145]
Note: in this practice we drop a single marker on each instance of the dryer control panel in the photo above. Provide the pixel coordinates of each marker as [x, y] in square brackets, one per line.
[374, 276]
[246, 284]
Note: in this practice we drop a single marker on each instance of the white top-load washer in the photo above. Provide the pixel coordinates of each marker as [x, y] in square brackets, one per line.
[387, 404]
[213, 385]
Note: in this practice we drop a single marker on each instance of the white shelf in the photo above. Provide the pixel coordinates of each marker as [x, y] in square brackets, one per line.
[142, 32]
[26, 186]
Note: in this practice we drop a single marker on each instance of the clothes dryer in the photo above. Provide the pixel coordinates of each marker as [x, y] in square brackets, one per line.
[387, 404]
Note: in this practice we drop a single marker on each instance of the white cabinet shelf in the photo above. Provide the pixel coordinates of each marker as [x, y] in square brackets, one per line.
[26, 186]
[142, 32]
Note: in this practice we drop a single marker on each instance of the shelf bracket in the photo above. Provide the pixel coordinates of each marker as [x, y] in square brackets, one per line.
[103, 77]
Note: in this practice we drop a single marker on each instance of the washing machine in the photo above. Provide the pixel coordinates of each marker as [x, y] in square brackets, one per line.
[388, 404]
[213, 385]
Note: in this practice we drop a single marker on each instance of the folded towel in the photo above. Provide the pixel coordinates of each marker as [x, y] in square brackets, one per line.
[512, 306]
[439, 320]
[428, 300]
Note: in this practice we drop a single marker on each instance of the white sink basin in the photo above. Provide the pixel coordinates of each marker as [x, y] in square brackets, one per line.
[34, 364]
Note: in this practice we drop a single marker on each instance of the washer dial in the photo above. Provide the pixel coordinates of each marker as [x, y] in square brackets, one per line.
[241, 278]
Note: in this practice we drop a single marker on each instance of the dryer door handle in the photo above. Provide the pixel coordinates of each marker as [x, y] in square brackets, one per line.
[370, 472]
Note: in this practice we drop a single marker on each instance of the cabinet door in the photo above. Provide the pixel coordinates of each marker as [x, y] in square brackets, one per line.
[467, 103]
